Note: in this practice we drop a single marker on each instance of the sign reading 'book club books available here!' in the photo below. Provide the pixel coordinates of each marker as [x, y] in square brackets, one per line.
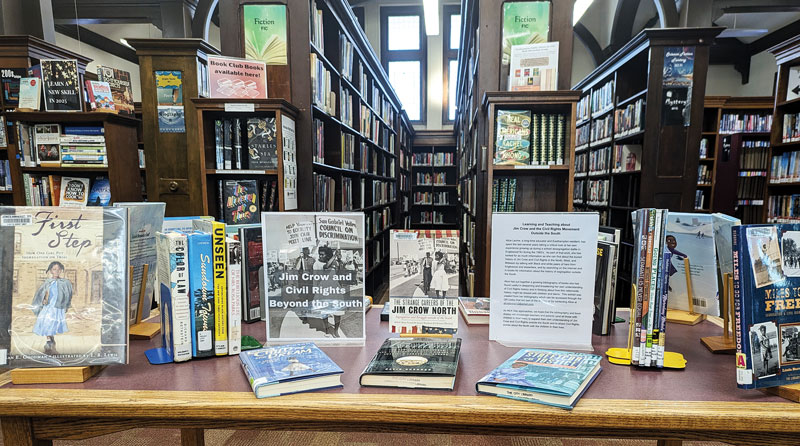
[229, 77]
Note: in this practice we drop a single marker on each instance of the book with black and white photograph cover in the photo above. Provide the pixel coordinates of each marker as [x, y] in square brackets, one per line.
[314, 277]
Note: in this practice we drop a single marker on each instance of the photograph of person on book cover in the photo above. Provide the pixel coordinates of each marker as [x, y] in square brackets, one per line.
[764, 349]
[691, 236]
[765, 255]
[424, 264]
[790, 344]
[791, 253]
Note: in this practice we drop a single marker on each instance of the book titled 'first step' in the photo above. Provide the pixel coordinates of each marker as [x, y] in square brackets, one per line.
[292, 368]
[414, 363]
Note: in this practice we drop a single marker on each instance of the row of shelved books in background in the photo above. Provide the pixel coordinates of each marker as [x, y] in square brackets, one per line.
[441, 159]
[504, 194]
[378, 220]
[745, 123]
[750, 190]
[703, 152]
[754, 155]
[369, 124]
[791, 127]
[785, 168]
[578, 191]
[346, 107]
[582, 136]
[432, 218]
[602, 129]
[627, 158]
[258, 152]
[383, 192]
[603, 97]
[45, 145]
[432, 198]
[242, 201]
[5, 176]
[55, 190]
[431, 179]
[317, 35]
[783, 208]
[700, 199]
[583, 111]
[467, 191]
[628, 120]
[24, 87]
[704, 175]
[598, 192]
[325, 194]
[525, 138]
[322, 94]
[346, 57]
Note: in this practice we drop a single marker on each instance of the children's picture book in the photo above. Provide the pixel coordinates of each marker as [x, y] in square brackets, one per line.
[512, 141]
[100, 194]
[121, 88]
[240, 202]
[262, 143]
[230, 77]
[292, 368]
[765, 284]
[74, 191]
[61, 85]
[551, 377]
[99, 96]
[534, 67]
[63, 286]
[314, 277]
[692, 236]
[414, 363]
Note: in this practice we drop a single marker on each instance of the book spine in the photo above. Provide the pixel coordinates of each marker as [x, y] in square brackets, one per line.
[234, 296]
[220, 289]
[26, 182]
[237, 142]
[647, 337]
[218, 147]
[637, 316]
[228, 144]
[662, 325]
[179, 284]
[744, 374]
[201, 285]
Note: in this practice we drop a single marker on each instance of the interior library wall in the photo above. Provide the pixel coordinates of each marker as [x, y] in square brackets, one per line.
[724, 80]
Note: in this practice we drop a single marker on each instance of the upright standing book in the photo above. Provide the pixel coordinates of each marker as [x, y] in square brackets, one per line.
[61, 85]
[252, 271]
[234, 257]
[275, 371]
[99, 94]
[121, 88]
[240, 202]
[74, 191]
[173, 290]
[201, 288]
[63, 286]
[262, 143]
[220, 262]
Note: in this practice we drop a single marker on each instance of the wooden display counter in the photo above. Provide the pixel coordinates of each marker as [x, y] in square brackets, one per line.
[699, 403]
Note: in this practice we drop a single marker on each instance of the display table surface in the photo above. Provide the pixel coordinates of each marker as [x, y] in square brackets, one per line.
[701, 402]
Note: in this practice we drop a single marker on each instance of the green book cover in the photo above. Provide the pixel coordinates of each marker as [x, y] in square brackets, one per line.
[524, 23]
[265, 33]
[416, 356]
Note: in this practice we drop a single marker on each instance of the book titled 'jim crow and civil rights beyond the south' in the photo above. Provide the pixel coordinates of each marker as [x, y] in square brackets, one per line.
[292, 368]
[414, 363]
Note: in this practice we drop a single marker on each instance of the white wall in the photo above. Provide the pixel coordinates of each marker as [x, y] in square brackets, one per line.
[724, 80]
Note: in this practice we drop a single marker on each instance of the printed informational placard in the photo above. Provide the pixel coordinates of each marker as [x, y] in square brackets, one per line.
[677, 84]
[265, 33]
[542, 279]
[289, 163]
[534, 67]
[169, 97]
[230, 77]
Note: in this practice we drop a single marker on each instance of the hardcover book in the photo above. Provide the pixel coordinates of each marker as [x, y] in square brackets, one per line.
[475, 310]
[234, 297]
[314, 277]
[240, 199]
[252, 272]
[201, 289]
[692, 236]
[47, 138]
[74, 191]
[551, 377]
[262, 143]
[121, 88]
[63, 286]
[10, 79]
[414, 363]
[100, 194]
[99, 96]
[173, 286]
[293, 368]
[512, 143]
[61, 85]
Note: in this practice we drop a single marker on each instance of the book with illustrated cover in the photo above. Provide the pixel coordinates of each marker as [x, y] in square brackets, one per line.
[293, 368]
[63, 286]
[475, 310]
[99, 96]
[234, 297]
[512, 141]
[551, 377]
[240, 202]
[30, 93]
[74, 191]
[262, 143]
[10, 79]
[47, 140]
[252, 272]
[100, 194]
[173, 286]
[414, 363]
[61, 85]
[265, 33]
[691, 235]
[220, 262]
[121, 88]
[314, 277]
[201, 294]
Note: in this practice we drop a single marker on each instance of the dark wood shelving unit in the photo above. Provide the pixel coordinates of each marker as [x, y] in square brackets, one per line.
[442, 199]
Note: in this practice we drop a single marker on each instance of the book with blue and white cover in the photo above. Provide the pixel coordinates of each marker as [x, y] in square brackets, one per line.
[201, 297]
[291, 368]
[552, 377]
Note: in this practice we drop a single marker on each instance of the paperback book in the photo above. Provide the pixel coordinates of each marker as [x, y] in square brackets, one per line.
[252, 272]
[10, 79]
[475, 310]
[201, 289]
[74, 191]
[293, 368]
[414, 363]
[240, 201]
[30, 93]
[691, 236]
[173, 291]
[100, 96]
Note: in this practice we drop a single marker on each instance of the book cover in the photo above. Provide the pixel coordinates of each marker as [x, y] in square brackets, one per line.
[692, 236]
[201, 289]
[418, 357]
[230, 77]
[234, 297]
[100, 193]
[63, 286]
[512, 143]
[524, 23]
[314, 277]
[240, 198]
[173, 286]
[121, 88]
[46, 139]
[534, 67]
[99, 96]
[475, 306]
[74, 191]
[182, 224]
[144, 221]
[252, 271]
[603, 299]
[61, 85]
[30, 93]
[268, 367]
[265, 36]
[10, 79]
[169, 96]
[220, 262]
[722, 240]
[262, 144]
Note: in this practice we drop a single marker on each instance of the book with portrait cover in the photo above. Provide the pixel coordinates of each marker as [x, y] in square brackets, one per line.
[61, 85]
[262, 143]
[766, 281]
[293, 368]
[201, 294]
[414, 363]
[63, 286]
[551, 377]
[314, 277]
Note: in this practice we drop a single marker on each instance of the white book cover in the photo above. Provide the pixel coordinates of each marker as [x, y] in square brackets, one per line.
[534, 67]
[234, 248]
[30, 93]
[74, 191]
[692, 236]
[173, 293]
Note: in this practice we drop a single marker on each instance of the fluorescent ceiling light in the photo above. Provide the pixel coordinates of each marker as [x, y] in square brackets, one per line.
[125, 42]
[431, 9]
[580, 7]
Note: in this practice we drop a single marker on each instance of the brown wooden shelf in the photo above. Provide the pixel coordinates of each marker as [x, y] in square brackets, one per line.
[64, 169]
[235, 172]
[788, 103]
[70, 117]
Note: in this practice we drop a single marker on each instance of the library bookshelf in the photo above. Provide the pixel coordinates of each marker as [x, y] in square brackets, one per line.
[434, 200]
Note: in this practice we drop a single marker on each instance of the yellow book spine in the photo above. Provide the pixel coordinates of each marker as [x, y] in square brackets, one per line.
[220, 261]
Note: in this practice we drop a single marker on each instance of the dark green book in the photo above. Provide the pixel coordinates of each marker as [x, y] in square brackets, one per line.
[414, 363]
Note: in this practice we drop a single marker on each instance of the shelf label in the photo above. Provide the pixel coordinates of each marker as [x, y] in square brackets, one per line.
[543, 166]
[239, 107]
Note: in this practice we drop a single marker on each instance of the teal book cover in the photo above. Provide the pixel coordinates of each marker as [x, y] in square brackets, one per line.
[201, 289]
[273, 365]
[544, 371]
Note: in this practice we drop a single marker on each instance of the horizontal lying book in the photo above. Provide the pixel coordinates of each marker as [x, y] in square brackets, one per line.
[293, 368]
[414, 363]
[550, 377]
[475, 310]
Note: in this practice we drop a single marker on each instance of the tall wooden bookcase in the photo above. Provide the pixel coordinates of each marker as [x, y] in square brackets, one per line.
[781, 197]
[437, 199]
[667, 176]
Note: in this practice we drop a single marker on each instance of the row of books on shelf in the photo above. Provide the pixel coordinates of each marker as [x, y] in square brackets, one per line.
[582, 136]
[526, 138]
[703, 152]
[603, 97]
[322, 94]
[346, 57]
[369, 124]
[627, 158]
[598, 160]
[317, 34]
[785, 168]
[431, 179]
[55, 190]
[783, 208]
[751, 188]
[629, 120]
[5, 176]
[504, 194]
[378, 220]
[578, 191]
[754, 157]
[432, 218]
[242, 201]
[745, 123]
[434, 159]
[700, 199]
[383, 192]
[258, 152]
[347, 143]
[598, 192]
[791, 127]
[44, 145]
[324, 192]
[602, 129]
[704, 174]
[583, 109]
[346, 107]
[431, 198]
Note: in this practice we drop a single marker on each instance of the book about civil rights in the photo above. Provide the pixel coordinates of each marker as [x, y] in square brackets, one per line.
[63, 286]
[766, 292]
[414, 363]
[314, 276]
[293, 368]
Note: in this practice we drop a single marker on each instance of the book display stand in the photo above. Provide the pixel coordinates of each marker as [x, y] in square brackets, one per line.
[725, 344]
[143, 330]
[54, 375]
[683, 316]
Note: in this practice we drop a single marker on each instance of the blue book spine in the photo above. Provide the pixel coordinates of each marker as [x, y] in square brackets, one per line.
[83, 130]
[201, 288]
